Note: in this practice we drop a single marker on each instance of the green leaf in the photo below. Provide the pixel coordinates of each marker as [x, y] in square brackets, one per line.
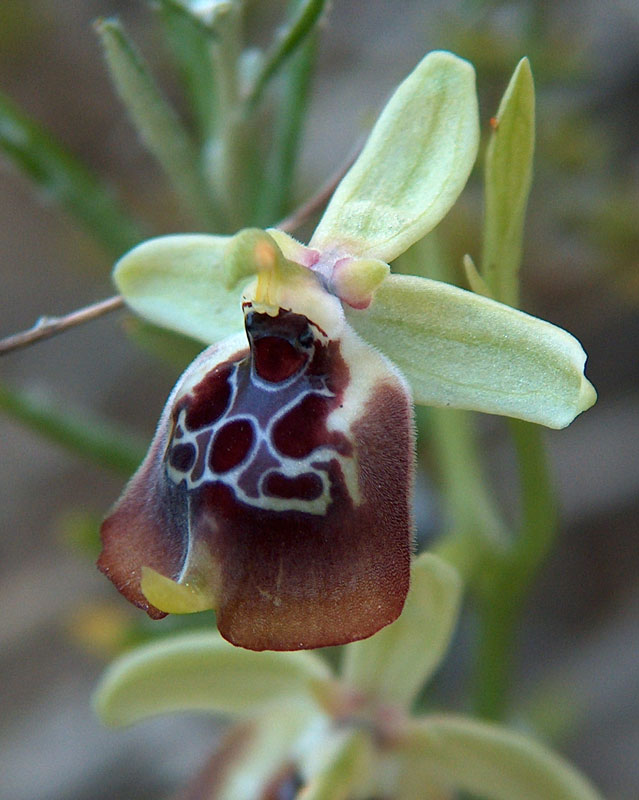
[288, 123]
[290, 38]
[182, 282]
[461, 350]
[156, 121]
[395, 663]
[489, 761]
[413, 166]
[94, 439]
[508, 174]
[64, 179]
[190, 40]
[203, 672]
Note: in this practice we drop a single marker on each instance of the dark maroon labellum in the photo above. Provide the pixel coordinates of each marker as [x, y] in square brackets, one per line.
[288, 469]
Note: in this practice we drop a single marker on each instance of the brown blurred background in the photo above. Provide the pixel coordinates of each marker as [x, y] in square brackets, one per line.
[578, 664]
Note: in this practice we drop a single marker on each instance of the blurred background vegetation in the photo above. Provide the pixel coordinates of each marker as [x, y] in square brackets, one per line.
[576, 672]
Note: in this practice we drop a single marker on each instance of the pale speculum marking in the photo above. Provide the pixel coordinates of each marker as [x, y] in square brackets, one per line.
[258, 425]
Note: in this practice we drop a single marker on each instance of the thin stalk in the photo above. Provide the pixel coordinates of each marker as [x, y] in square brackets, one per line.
[499, 608]
[539, 525]
[463, 483]
[46, 327]
[103, 444]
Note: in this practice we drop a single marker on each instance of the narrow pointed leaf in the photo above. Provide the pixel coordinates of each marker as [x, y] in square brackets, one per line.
[181, 282]
[293, 98]
[461, 350]
[64, 180]
[201, 671]
[489, 761]
[413, 166]
[96, 440]
[394, 663]
[156, 121]
[291, 37]
[508, 174]
[190, 40]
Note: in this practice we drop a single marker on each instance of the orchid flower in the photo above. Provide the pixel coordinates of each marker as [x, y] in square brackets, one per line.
[278, 487]
[307, 732]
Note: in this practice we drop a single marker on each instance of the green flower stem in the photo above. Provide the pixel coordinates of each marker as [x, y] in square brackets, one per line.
[508, 172]
[538, 503]
[65, 180]
[478, 531]
[503, 593]
[156, 122]
[499, 610]
[93, 439]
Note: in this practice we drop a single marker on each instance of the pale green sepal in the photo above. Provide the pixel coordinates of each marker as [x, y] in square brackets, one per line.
[181, 282]
[489, 761]
[413, 167]
[201, 672]
[461, 350]
[394, 663]
[347, 766]
[508, 174]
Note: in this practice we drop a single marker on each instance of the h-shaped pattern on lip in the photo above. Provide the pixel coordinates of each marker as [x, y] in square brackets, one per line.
[258, 424]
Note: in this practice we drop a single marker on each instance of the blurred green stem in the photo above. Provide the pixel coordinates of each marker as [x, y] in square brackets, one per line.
[503, 591]
[275, 194]
[477, 530]
[93, 439]
[65, 180]
[229, 149]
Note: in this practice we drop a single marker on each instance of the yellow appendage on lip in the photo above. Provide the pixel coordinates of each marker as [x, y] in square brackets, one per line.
[175, 598]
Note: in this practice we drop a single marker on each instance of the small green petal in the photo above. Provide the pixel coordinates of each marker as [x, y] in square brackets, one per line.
[489, 761]
[508, 174]
[461, 350]
[201, 672]
[413, 167]
[356, 279]
[181, 282]
[394, 663]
